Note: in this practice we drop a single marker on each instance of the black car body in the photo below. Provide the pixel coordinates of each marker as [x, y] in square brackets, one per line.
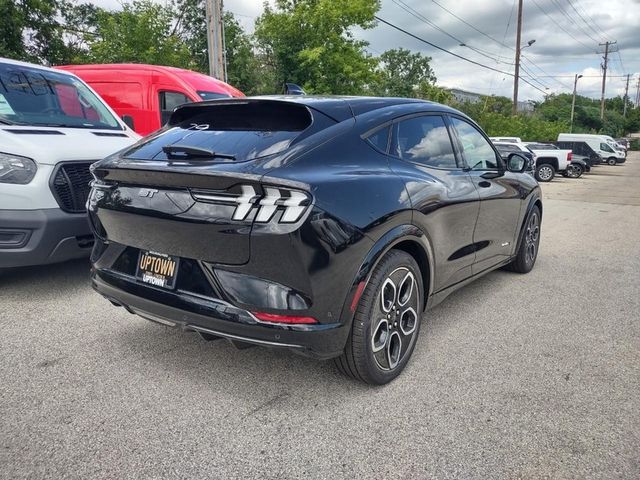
[277, 210]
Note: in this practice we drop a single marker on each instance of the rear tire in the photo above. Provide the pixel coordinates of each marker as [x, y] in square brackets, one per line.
[574, 171]
[527, 253]
[545, 172]
[386, 323]
[612, 161]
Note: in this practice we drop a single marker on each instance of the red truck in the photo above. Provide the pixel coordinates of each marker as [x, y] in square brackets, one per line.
[145, 95]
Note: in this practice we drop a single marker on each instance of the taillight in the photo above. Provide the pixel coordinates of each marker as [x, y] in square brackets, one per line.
[569, 156]
[289, 319]
[292, 203]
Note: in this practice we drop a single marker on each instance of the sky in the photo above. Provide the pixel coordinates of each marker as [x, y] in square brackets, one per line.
[566, 34]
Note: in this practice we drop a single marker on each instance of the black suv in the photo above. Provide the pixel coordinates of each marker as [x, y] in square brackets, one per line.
[322, 225]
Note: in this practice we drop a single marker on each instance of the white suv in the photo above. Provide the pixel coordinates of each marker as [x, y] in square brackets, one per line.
[52, 128]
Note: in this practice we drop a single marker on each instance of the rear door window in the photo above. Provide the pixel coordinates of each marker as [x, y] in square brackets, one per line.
[168, 102]
[425, 140]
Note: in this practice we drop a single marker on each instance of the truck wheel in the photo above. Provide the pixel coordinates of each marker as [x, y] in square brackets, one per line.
[545, 172]
[386, 323]
[612, 160]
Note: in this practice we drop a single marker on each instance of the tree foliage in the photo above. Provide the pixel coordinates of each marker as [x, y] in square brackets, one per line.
[403, 74]
[310, 42]
[142, 32]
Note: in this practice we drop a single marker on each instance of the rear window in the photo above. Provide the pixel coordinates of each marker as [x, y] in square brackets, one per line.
[237, 131]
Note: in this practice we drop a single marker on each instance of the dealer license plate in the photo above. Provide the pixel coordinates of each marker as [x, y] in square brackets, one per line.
[157, 269]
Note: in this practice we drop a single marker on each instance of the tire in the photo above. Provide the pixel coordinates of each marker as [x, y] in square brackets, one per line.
[612, 161]
[545, 172]
[527, 253]
[385, 329]
[574, 171]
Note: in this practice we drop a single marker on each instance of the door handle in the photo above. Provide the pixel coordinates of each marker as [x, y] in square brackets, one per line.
[484, 184]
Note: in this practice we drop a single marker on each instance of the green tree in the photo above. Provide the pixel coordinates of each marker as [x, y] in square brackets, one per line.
[309, 42]
[403, 74]
[34, 30]
[142, 32]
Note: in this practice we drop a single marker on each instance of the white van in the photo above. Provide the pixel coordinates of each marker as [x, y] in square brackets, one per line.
[52, 128]
[598, 143]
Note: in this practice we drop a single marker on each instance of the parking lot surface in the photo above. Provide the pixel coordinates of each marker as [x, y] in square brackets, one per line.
[514, 376]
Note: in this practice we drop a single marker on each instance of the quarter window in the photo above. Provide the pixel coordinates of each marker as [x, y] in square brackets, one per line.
[168, 102]
[380, 139]
[476, 149]
[425, 140]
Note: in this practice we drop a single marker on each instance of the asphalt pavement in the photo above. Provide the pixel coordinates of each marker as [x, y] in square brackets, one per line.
[514, 376]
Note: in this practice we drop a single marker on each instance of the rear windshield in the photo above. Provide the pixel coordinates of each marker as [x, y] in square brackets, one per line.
[31, 96]
[234, 131]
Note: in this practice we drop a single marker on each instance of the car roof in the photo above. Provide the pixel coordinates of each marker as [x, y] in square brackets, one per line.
[341, 108]
[10, 61]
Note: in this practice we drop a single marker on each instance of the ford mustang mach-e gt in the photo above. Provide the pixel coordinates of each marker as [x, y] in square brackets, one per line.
[325, 225]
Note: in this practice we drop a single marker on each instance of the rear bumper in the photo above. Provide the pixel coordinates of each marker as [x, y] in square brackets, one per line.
[37, 237]
[216, 317]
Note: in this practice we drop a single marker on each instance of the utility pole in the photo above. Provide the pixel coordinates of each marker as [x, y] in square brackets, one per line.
[638, 93]
[626, 96]
[215, 39]
[604, 75]
[573, 102]
[514, 111]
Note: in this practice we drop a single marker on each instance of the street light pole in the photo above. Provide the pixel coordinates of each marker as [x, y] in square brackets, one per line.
[573, 102]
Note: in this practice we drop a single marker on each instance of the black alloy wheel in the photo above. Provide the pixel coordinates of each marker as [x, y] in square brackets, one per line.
[386, 323]
[527, 252]
[574, 171]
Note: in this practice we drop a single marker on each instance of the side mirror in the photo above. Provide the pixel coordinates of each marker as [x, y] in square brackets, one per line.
[293, 89]
[516, 163]
[128, 121]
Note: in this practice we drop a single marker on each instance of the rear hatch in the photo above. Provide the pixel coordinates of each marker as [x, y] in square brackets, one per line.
[194, 188]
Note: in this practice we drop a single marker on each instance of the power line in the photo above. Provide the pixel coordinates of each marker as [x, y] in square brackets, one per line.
[450, 52]
[410, 10]
[571, 20]
[501, 43]
[472, 26]
[587, 23]
[560, 26]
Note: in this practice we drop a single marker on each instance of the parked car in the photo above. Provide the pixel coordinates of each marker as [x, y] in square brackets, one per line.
[321, 225]
[582, 149]
[624, 143]
[52, 127]
[549, 161]
[145, 95]
[545, 162]
[598, 143]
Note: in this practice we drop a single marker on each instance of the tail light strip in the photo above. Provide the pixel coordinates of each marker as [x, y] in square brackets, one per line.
[294, 202]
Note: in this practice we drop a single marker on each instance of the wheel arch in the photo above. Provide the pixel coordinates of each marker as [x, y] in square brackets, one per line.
[534, 201]
[407, 238]
[548, 161]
